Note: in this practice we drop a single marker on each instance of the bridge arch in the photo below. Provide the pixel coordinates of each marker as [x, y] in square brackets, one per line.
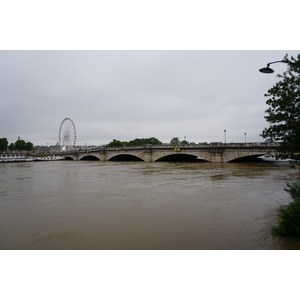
[235, 156]
[125, 157]
[249, 158]
[181, 157]
[90, 157]
[182, 154]
[119, 155]
[69, 158]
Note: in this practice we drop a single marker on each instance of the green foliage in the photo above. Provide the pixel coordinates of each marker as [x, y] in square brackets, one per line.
[175, 141]
[135, 142]
[294, 190]
[284, 113]
[12, 147]
[144, 141]
[283, 116]
[28, 146]
[289, 223]
[115, 143]
[184, 142]
[3, 144]
[20, 145]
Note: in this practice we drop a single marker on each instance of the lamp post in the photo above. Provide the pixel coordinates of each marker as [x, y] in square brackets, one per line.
[225, 135]
[268, 70]
[245, 137]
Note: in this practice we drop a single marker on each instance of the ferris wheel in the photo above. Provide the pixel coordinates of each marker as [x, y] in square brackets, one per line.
[67, 135]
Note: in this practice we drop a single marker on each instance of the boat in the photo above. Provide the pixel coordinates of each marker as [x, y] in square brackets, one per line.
[48, 158]
[9, 158]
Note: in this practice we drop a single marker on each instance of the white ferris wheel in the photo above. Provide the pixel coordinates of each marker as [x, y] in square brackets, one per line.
[67, 135]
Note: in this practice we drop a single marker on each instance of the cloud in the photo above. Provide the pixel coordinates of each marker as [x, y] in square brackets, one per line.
[130, 94]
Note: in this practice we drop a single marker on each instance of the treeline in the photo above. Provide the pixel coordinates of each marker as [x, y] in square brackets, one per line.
[176, 141]
[147, 141]
[19, 145]
[135, 142]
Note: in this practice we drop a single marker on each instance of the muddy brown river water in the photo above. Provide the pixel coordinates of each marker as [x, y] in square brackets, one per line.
[138, 205]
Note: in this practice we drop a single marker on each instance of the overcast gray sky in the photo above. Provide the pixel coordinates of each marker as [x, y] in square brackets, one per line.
[127, 94]
[135, 94]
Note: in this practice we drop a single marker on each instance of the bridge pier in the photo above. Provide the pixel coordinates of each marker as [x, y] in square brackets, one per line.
[103, 156]
[75, 157]
[148, 156]
[217, 157]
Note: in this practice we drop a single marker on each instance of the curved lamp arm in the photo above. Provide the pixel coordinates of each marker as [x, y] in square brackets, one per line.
[268, 70]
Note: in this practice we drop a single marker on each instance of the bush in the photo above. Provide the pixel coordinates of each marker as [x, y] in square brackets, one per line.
[294, 190]
[289, 223]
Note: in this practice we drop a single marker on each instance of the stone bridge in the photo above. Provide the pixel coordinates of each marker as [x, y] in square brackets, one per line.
[217, 152]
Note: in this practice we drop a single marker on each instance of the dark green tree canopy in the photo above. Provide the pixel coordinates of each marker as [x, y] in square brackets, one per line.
[184, 142]
[144, 141]
[28, 146]
[175, 141]
[20, 145]
[283, 113]
[12, 147]
[115, 143]
[3, 144]
[135, 142]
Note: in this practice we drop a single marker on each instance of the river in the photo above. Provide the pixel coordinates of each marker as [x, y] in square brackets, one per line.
[139, 205]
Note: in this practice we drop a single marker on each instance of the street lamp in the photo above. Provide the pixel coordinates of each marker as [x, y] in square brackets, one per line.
[225, 135]
[245, 137]
[268, 70]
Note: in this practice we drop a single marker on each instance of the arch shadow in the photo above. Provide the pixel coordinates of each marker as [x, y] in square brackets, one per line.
[68, 158]
[125, 157]
[252, 158]
[181, 158]
[90, 157]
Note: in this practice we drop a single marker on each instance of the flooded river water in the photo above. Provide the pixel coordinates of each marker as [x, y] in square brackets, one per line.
[138, 205]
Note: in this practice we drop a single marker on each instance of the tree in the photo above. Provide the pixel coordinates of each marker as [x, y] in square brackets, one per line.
[135, 142]
[115, 143]
[184, 142]
[144, 141]
[28, 146]
[12, 147]
[283, 113]
[20, 145]
[3, 144]
[175, 141]
[154, 141]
